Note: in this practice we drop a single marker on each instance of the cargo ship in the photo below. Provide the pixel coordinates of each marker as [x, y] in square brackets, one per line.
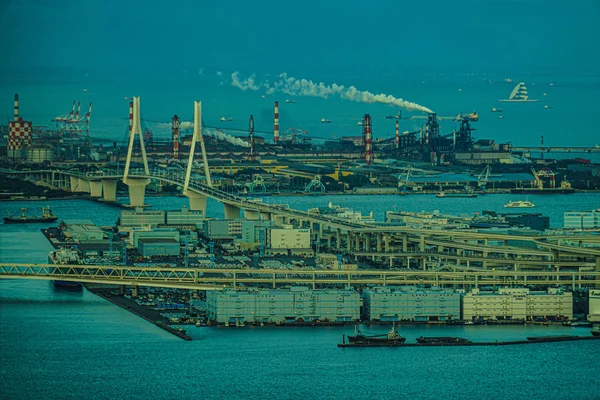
[456, 195]
[565, 186]
[442, 340]
[65, 257]
[392, 338]
[46, 216]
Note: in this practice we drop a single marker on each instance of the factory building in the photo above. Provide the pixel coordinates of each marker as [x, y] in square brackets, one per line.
[410, 304]
[288, 237]
[582, 219]
[518, 303]
[81, 230]
[254, 232]
[160, 233]
[185, 216]
[296, 304]
[149, 247]
[594, 303]
[223, 228]
[139, 217]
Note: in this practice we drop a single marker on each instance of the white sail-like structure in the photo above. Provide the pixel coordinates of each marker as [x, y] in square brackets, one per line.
[518, 94]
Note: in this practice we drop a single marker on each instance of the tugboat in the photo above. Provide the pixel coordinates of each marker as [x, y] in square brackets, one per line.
[392, 338]
[325, 121]
[47, 216]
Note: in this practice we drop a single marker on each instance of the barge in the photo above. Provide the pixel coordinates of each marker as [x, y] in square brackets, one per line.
[430, 342]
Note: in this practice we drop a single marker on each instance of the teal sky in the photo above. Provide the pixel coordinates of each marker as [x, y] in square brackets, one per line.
[441, 36]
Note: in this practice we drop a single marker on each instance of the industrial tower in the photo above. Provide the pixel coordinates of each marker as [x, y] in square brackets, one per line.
[251, 137]
[368, 139]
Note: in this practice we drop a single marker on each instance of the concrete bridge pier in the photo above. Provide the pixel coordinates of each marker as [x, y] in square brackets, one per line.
[265, 216]
[379, 242]
[368, 243]
[83, 185]
[251, 215]
[386, 243]
[197, 201]
[74, 183]
[231, 212]
[134, 291]
[96, 188]
[278, 219]
[137, 191]
[109, 189]
[338, 238]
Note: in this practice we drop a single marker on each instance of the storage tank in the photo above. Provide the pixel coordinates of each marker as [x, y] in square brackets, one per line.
[39, 154]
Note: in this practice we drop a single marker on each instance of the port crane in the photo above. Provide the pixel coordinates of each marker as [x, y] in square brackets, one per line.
[403, 178]
[484, 177]
[257, 182]
[315, 185]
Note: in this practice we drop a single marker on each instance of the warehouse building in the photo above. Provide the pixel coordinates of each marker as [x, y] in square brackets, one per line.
[594, 303]
[185, 216]
[296, 304]
[409, 303]
[139, 217]
[288, 237]
[81, 230]
[159, 233]
[149, 247]
[582, 219]
[518, 303]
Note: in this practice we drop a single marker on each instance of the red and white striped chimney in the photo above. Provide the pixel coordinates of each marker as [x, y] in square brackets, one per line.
[16, 117]
[397, 135]
[175, 137]
[130, 117]
[276, 124]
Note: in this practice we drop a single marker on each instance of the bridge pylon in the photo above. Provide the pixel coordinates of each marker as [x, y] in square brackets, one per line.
[137, 186]
[197, 201]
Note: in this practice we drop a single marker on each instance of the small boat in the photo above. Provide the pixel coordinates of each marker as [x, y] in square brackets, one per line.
[548, 107]
[389, 117]
[46, 216]
[456, 195]
[518, 95]
[84, 90]
[508, 80]
[229, 119]
[390, 338]
[359, 123]
[595, 330]
[325, 121]
[498, 110]
[290, 101]
[519, 204]
[500, 117]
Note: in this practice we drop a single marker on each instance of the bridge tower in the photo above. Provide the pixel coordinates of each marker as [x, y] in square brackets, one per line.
[137, 186]
[197, 201]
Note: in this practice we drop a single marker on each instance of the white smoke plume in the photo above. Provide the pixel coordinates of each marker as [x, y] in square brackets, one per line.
[303, 87]
[217, 134]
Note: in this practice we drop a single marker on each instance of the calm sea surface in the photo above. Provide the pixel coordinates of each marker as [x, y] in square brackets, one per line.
[63, 345]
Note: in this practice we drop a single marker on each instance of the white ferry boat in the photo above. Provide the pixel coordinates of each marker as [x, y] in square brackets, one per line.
[519, 204]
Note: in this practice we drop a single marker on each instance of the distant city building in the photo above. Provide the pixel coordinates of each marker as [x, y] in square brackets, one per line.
[410, 303]
[297, 303]
[582, 219]
[518, 303]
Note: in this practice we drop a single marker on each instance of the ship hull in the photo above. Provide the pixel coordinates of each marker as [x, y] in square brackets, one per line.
[542, 191]
[517, 101]
[8, 220]
[68, 285]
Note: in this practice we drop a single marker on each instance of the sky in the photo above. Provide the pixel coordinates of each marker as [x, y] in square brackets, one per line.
[473, 35]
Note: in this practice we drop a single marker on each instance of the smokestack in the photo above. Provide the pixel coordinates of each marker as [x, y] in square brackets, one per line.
[276, 124]
[427, 133]
[175, 137]
[16, 118]
[368, 139]
[251, 136]
[397, 136]
[130, 117]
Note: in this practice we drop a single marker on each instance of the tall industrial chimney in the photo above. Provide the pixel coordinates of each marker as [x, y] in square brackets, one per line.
[175, 137]
[368, 139]
[397, 136]
[276, 124]
[16, 117]
[251, 136]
